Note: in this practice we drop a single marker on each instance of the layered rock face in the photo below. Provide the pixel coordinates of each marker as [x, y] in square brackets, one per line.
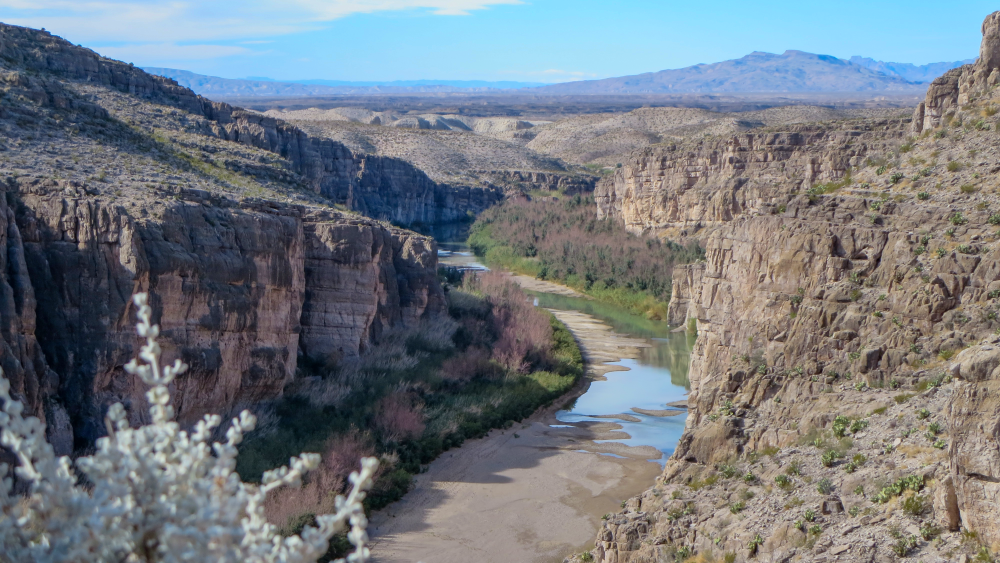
[873, 300]
[962, 85]
[241, 291]
[681, 189]
[380, 187]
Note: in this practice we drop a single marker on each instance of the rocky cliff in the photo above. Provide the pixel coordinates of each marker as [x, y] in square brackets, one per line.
[244, 230]
[242, 291]
[380, 187]
[679, 189]
[844, 380]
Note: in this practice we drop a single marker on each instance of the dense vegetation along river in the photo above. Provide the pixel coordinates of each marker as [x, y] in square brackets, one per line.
[654, 381]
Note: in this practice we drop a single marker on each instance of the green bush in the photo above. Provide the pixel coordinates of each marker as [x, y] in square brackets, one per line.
[913, 483]
[824, 486]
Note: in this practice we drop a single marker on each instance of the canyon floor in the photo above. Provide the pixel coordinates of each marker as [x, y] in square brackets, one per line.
[528, 493]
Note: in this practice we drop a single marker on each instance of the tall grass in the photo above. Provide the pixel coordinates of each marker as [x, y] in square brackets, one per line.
[563, 241]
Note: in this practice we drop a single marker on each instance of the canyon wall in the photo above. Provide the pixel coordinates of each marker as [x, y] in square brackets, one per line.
[241, 291]
[815, 301]
[380, 187]
[678, 190]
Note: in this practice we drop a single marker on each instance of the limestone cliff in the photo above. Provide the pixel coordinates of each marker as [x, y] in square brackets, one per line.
[241, 291]
[380, 187]
[243, 229]
[677, 190]
[836, 317]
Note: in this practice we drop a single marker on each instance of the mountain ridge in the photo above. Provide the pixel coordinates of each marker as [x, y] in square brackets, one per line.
[758, 72]
[908, 71]
[791, 71]
[203, 84]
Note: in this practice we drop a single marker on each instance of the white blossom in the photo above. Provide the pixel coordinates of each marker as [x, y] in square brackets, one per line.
[156, 493]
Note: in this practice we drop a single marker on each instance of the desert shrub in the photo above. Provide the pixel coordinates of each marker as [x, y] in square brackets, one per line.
[567, 241]
[794, 467]
[957, 218]
[824, 486]
[830, 457]
[913, 483]
[728, 471]
[914, 505]
[929, 532]
[152, 493]
[967, 188]
[954, 166]
[399, 416]
[903, 546]
[784, 481]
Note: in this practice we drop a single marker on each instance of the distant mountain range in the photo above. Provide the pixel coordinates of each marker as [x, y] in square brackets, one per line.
[789, 72]
[257, 86]
[906, 71]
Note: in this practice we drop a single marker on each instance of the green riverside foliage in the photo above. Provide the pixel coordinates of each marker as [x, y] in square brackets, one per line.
[463, 393]
[563, 241]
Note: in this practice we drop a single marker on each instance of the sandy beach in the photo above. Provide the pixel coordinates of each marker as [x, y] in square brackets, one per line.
[532, 493]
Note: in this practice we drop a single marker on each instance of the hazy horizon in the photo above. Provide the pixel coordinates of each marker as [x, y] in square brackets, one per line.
[540, 41]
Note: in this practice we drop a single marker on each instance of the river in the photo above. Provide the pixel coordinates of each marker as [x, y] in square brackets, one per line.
[537, 492]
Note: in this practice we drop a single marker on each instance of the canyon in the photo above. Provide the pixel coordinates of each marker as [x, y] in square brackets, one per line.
[247, 232]
[844, 379]
[846, 307]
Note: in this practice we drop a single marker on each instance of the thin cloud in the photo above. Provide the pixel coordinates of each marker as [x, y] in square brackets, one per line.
[149, 53]
[163, 21]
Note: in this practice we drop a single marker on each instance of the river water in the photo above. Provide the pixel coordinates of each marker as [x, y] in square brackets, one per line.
[655, 380]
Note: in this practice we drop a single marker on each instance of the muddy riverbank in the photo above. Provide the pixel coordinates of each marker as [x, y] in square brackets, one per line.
[536, 492]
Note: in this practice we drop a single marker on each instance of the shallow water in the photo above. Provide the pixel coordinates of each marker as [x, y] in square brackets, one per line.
[657, 377]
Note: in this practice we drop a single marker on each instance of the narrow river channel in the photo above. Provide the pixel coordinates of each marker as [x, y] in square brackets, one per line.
[536, 492]
[649, 389]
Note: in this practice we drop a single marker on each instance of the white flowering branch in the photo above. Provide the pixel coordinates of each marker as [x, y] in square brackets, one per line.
[157, 493]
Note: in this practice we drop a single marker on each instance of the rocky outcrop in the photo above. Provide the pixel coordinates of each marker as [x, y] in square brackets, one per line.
[872, 300]
[525, 181]
[241, 291]
[380, 187]
[962, 85]
[679, 190]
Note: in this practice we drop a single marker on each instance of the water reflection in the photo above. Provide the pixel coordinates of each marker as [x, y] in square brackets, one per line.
[657, 377]
[669, 350]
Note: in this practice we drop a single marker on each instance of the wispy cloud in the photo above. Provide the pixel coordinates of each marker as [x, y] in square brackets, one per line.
[152, 53]
[141, 21]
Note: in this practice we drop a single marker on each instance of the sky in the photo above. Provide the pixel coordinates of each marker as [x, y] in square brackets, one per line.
[523, 40]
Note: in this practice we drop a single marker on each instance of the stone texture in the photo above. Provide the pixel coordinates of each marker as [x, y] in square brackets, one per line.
[380, 187]
[679, 190]
[240, 290]
[810, 307]
[964, 84]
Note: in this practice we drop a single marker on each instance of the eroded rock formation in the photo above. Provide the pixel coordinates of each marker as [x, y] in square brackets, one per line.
[241, 291]
[873, 299]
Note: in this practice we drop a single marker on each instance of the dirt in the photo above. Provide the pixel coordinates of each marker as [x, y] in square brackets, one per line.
[533, 492]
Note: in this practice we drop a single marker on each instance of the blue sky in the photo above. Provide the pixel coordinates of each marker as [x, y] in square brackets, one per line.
[528, 40]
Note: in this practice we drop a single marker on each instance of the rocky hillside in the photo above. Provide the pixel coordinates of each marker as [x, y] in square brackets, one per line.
[450, 149]
[846, 372]
[245, 230]
[608, 139]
